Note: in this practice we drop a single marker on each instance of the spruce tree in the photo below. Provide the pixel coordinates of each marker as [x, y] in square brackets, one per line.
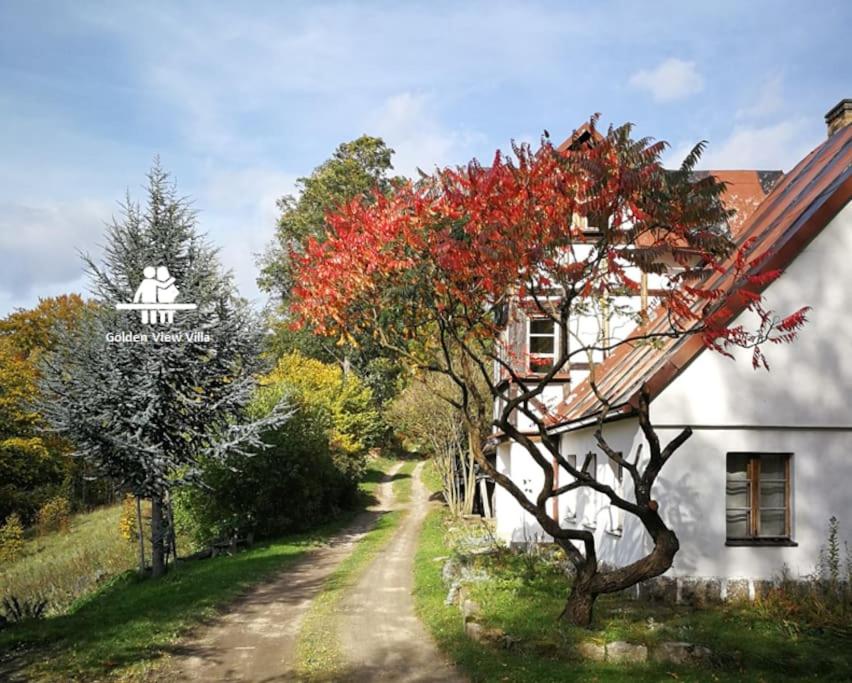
[147, 402]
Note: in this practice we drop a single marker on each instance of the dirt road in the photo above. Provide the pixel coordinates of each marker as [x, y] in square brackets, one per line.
[381, 637]
[255, 640]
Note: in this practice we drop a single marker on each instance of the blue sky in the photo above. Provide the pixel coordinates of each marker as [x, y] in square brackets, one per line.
[240, 99]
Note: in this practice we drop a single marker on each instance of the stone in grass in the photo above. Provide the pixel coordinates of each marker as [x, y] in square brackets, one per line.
[481, 634]
[474, 631]
[680, 653]
[621, 652]
[591, 651]
[471, 610]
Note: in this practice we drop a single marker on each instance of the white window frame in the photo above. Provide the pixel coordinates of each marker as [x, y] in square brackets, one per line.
[530, 335]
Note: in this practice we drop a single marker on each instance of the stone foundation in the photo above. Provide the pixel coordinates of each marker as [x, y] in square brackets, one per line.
[700, 592]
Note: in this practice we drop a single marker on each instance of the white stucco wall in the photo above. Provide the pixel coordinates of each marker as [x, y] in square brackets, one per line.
[803, 406]
[810, 382]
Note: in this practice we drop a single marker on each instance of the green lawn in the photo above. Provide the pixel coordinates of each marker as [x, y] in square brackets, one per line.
[125, 627]
[748, 647]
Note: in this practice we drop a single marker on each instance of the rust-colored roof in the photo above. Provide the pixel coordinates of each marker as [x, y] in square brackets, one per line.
[744, 192]
[795, 211]
[585, 134]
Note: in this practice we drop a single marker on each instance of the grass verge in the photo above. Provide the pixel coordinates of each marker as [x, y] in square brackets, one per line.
[747, 646]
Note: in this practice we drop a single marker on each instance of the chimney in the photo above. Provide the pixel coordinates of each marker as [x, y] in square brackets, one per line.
[839, 116]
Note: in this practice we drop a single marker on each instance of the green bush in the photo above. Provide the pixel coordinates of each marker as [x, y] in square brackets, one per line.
[310, 470]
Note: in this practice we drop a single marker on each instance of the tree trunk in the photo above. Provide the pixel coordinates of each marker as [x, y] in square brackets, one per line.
[483, 494]
[473, 445]
[579, 606]
[158, 554]
[172, 532]
[140, 533]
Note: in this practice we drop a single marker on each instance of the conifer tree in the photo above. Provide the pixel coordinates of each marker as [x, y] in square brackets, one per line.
[147, 409]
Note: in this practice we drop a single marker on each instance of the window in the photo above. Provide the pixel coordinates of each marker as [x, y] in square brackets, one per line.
[757, 498]
[592, 497]
[571, 496]
[541, 344]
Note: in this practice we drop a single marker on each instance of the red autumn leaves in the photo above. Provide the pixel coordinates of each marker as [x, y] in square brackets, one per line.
[447, 251]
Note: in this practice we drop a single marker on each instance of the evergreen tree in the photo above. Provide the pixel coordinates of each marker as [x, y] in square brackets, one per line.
[146, 412]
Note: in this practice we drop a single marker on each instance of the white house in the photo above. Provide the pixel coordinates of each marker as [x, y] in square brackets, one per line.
[770, 459]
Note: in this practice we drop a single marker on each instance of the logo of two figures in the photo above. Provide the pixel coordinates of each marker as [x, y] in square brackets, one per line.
[156, 296]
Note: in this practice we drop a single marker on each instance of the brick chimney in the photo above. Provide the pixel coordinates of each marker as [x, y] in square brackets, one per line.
[839, 116]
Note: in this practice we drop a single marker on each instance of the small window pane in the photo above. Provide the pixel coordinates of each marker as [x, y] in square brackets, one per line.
[737, 492]
[541, 327]
[772, 466]
[541, 344]
[738, 523]
[737, 467]
[772, 522]
[772, 494]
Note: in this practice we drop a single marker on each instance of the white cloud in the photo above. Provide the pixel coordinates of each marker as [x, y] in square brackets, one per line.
[672, 79]
[41, 244]
[767, 100]
[239, 212]
[776, 146]
[409, 124]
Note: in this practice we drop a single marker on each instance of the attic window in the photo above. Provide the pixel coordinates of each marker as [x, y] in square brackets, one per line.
[757, 499]
[541, 344]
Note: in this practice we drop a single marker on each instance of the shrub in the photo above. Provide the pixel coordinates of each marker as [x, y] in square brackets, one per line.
[822, 600]
[127, 521]
[15, 610]
[11, 538]
[311, 469]
[54, 515]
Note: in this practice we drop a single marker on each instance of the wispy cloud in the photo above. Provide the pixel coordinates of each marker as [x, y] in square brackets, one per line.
[672, 79]
[767, 100]
[41, 244]
[410, 125]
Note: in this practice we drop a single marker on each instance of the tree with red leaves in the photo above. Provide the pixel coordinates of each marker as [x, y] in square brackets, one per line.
[434, 270]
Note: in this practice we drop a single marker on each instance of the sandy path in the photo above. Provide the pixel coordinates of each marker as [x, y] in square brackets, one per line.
[256, 639]
[381, 637]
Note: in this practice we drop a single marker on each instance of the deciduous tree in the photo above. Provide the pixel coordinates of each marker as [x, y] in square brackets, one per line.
[357, 169]
[431, 272]
[33, 465]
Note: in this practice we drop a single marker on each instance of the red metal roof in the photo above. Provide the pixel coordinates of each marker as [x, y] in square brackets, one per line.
[784, 223]
[744, 192]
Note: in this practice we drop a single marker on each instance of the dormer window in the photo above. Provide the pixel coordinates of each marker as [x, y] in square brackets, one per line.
[541, 344]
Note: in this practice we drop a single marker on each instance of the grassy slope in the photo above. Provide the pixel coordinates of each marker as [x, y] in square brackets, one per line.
[60, 567]
[318, 651]
[528, 609]
[127, 625]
